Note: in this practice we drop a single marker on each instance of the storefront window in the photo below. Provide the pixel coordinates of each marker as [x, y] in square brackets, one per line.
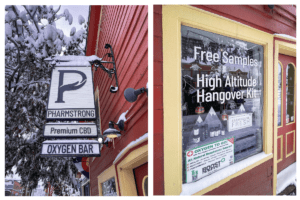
[279, 94]
[222, 101]
[109, 187]
[290, 93]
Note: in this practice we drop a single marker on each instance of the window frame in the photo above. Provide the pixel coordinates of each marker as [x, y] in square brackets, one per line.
[281, 109]
[173, 17]
[106, 175]
[294, 93]
[135, 158]
[287, 48]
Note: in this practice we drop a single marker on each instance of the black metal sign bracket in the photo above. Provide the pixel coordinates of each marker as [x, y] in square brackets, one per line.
[99, 64]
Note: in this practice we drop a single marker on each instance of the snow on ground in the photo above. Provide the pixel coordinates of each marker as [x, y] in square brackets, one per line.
[286, 177]
[131, 144]
[192, 188]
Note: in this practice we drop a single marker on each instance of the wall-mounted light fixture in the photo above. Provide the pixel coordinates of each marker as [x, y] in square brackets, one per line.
[131, 94]
[102, 141]
[111, 132]
[99, 63]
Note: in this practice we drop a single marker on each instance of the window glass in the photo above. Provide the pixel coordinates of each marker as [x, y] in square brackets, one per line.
[290, 93]
[222, 101]
[109, 187]
[279, 94]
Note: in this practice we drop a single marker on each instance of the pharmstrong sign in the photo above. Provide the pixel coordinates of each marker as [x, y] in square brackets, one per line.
[70, 148]
[67, 130]
[71, 95]
[205, 160]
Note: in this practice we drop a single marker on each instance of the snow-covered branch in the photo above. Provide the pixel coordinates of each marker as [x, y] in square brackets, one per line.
[31, 16]
[27, 79]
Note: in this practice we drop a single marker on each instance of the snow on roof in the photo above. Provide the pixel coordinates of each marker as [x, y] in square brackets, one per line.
[72, 60]
[286, 177]
[285, 36]
[192, 188]
[131, 144]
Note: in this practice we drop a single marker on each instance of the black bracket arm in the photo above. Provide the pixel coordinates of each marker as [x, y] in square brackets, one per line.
[99, 64]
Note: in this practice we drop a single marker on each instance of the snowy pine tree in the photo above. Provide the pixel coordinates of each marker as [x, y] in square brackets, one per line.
[30, 37]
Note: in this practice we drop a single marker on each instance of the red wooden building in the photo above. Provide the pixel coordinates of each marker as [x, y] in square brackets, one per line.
[122, 168]
[269, 31]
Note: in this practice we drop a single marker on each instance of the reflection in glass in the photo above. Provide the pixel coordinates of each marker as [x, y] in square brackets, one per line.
[279, 95]
[222, 101]
[290, 72]
[109, 187]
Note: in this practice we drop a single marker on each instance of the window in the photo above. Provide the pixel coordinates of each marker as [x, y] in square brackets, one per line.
[222, 101]
[290, 74]
[109, 187]
[279, 94]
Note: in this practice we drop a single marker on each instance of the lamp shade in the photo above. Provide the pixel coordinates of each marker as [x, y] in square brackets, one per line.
[111, 132]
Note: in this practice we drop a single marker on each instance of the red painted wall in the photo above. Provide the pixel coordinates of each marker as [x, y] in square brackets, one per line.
[158, 130]
[126, 29]
[258, 181]
[281, 20]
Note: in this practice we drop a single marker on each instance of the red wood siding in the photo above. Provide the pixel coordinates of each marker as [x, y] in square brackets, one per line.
[158, 156]
[257, 181]
[126, 29]
[281, 20]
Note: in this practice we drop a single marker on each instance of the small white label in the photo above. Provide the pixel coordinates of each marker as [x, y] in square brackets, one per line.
[239, 121]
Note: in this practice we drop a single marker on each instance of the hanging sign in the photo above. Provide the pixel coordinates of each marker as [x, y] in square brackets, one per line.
[68, 130]
[71, 95]
[205, 160]
[70, 148]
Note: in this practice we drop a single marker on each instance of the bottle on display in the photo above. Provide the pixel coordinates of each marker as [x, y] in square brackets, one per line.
[223, 131]
[211, 132]
[197, 130]
[206, 131]
[224, 114]
[218, 131]
[202, 133]
[196, 136]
